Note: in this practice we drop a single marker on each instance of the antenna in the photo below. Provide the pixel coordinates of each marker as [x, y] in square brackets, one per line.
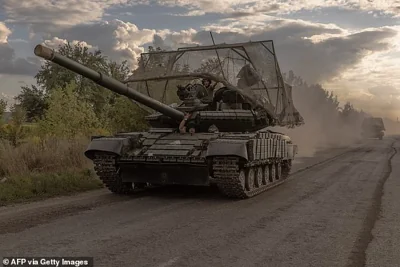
[219, 60]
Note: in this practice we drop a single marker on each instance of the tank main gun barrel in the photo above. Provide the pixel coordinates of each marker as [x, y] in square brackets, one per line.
[106, 81]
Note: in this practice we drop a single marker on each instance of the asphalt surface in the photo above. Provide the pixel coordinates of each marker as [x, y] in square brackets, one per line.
[339, 208]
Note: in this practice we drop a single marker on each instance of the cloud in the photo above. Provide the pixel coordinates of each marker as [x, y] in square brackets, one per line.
[45, 15]
[117, 39]
[55, 42]
[239, 8]
[381, 101]
[387, 92]
[316, 52]
[9, 64]
[4, 33]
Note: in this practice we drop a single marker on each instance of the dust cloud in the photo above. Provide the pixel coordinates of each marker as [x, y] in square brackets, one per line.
[392, 127]
[326, 124]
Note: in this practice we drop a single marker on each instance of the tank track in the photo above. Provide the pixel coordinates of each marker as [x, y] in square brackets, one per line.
[233, 178]
[237, 180]
[107, 171]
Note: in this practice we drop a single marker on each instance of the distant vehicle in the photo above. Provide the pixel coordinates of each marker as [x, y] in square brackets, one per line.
[373, 127]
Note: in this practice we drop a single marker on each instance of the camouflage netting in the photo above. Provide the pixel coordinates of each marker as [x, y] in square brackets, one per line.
[250, 68]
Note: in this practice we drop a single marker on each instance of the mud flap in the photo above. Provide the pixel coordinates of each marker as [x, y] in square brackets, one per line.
[227, 147]
[110, 145]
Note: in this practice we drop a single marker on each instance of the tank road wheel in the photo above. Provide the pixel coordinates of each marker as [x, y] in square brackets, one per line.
[278, 173]
[272, 172]
[286, 168]
[250, 179]
[234, 180]
[267, 175]
[242, 179]
[259, 177]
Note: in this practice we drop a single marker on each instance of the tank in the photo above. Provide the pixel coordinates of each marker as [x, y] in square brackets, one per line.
[199, 134]
[373, 127]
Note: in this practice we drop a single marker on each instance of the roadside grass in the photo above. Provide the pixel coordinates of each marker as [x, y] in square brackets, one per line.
[40, 169]
[37, 186]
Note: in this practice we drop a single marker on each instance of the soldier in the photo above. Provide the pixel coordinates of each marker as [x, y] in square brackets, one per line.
[207, 84]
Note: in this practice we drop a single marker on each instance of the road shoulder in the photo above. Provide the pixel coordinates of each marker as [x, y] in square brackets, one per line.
[384, 250]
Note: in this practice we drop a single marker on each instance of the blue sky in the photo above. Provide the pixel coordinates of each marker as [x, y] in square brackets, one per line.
[323, 42]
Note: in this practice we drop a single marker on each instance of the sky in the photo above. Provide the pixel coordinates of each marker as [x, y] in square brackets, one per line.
[349, 46]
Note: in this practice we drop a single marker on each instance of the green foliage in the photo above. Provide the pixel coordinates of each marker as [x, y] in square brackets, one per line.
[41, 168]
[14, 131]
[44, 158]
[52, 77]
[67, 104]
[43, 155]
[33, 100]
[67, 116]
[3, 106]
[126, 116]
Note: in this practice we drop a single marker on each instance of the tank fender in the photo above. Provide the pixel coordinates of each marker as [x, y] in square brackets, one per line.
[227, 147]
[106, 144]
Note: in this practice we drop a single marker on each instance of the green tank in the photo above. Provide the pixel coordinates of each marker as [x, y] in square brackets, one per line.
[228, 94]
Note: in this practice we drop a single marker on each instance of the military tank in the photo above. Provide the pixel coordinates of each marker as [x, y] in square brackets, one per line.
[217, 134]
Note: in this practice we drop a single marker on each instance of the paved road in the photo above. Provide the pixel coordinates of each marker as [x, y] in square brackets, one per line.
[341, 212]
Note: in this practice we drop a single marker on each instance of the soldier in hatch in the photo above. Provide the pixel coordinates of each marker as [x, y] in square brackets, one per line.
[207, 84]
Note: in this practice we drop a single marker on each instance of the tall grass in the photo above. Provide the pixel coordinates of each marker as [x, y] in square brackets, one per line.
[39, 168]
[42, 156]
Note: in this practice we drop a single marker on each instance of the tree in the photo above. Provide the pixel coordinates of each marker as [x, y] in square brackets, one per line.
[14, 131]
[33, 100]
[3, 106]
[126, 116]
[53, 77]
[67, 116]
[212, 65]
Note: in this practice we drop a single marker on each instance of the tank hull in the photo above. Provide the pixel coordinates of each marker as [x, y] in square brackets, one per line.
[241, 165]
